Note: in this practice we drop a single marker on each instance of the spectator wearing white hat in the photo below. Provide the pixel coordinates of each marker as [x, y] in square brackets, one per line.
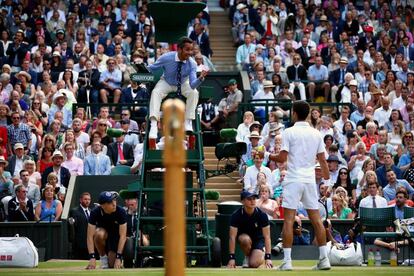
[265, 94]
[62, 173]
[240, 23]
[60, 100]
[16, 161]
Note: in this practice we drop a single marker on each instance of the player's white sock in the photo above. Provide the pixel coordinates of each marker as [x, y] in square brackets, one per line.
[323, 252]
[287, 254]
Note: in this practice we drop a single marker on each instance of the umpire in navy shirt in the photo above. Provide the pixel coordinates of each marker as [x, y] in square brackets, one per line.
[250, 227]
[107, 230]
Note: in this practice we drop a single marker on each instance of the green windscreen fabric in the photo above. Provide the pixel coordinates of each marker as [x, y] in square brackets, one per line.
[171, 18]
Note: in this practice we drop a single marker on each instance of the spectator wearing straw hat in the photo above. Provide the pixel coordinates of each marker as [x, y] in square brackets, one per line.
[62, 173]
[265, 94]
[337, 77]
[60, 99]
[255, 144]
[16, 161]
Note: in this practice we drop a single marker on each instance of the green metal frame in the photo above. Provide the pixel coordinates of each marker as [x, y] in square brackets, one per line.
[195, 161]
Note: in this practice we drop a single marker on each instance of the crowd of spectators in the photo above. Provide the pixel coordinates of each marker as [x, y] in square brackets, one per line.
[55, 54]
[58, 53]
[356, 53]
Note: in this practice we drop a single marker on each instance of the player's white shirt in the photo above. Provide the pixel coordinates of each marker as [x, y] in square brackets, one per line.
[303, 143]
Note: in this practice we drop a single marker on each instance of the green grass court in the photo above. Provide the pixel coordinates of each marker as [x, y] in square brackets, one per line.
[301, 268]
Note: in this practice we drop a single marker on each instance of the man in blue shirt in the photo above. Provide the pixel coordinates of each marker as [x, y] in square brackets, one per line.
[318, 79]
[60, 100]
[111, 80]
[407, 158]
[179, 75]
[382, 171]
[390, 190]
[400, 201]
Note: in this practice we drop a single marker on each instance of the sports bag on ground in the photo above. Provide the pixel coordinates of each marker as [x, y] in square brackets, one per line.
[348, 255]
[18, 252]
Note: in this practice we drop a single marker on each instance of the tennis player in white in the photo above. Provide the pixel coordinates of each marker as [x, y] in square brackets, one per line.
[301, 145]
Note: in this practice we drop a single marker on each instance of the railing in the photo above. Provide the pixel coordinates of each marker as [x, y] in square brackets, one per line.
[129, 106]
[268, 105]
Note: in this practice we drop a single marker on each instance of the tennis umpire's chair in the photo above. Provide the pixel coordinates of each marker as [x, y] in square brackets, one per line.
[376, 220]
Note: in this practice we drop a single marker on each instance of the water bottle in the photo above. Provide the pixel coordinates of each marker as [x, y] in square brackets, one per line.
[393, 258]
[370, 257]
[377, 258]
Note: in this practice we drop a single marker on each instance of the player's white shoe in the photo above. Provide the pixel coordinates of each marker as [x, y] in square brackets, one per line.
[285, 266]
[104, 262]
[323, 264]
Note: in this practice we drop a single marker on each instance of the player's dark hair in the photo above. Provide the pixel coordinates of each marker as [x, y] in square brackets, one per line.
[183, 40]
[301, 108]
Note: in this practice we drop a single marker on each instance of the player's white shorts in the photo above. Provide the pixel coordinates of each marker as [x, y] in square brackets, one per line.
[293, 193]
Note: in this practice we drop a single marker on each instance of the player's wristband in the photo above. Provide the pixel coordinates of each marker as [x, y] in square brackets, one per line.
[232, 257]
[92, 256]
[118, 256]
[268, 256]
